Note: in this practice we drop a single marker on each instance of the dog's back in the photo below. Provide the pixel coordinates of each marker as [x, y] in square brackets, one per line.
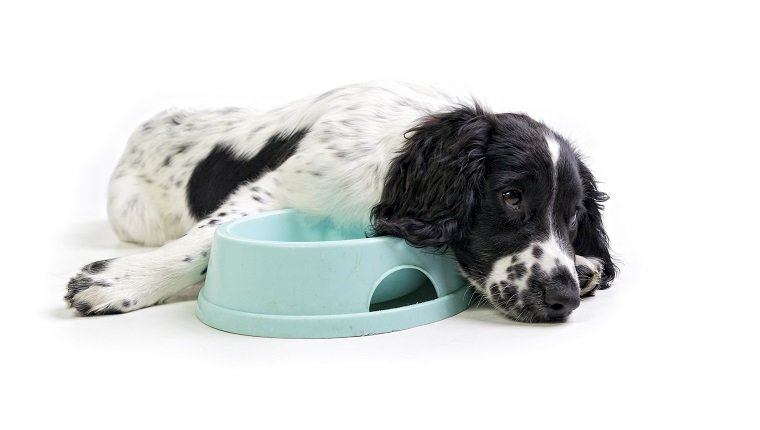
[333, 151]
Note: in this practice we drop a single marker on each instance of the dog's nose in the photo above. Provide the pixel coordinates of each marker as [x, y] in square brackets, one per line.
[560, 302]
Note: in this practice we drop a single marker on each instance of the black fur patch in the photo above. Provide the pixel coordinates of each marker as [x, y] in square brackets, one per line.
[506, 297]
[77, 284]
[222, 171]
[97, 266]
[591, 239]
[494, 288]
[519, 270]
[176, 119]
[433, 187]
[82, 307]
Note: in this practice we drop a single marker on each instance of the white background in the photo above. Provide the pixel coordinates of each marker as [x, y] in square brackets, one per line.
[662, 97]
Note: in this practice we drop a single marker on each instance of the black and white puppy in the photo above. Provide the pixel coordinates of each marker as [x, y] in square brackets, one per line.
[509, 197]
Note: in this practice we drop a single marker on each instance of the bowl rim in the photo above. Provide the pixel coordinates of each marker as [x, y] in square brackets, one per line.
[223, 232]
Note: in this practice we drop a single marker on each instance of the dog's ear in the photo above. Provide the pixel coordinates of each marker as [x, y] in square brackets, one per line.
[433, 185]
[591, 240]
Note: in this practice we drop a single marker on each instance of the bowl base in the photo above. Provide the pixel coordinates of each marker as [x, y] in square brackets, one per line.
[382, 319]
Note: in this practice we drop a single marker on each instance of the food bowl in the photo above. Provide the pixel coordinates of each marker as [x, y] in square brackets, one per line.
[285, 274]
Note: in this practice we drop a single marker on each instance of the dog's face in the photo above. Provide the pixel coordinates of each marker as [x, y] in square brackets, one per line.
[513, 201]
[519, 253]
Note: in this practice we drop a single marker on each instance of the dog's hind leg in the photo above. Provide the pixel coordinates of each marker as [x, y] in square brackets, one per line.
[135, 215]
[137, 281]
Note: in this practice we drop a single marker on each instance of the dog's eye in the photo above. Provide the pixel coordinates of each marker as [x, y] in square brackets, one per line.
[512, 198]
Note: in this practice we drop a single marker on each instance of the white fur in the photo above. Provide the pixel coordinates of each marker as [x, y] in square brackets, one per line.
[554, 149]
[552, 256]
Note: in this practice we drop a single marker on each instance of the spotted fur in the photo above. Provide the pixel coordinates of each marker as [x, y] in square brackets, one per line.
[403, 160]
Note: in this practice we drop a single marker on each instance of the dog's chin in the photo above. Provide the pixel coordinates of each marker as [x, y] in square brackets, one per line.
[529, 315]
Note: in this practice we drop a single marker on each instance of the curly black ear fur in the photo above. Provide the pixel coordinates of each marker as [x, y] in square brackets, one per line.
[591, 239]
[433, 186]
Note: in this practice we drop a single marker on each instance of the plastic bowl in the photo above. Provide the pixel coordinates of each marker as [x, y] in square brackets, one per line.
[284, 274]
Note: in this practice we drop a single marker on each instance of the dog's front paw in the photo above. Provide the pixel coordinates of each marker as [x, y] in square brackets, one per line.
[589, 274]
[104, 287]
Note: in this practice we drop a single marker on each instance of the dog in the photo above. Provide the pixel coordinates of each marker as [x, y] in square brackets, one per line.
[508, 197]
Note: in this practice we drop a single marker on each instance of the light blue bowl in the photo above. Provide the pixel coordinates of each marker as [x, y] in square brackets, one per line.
[283, 274]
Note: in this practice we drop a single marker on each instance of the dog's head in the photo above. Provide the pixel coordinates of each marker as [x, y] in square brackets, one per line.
[510, 197]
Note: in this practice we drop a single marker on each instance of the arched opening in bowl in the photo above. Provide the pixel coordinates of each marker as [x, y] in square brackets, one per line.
[403, 286]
